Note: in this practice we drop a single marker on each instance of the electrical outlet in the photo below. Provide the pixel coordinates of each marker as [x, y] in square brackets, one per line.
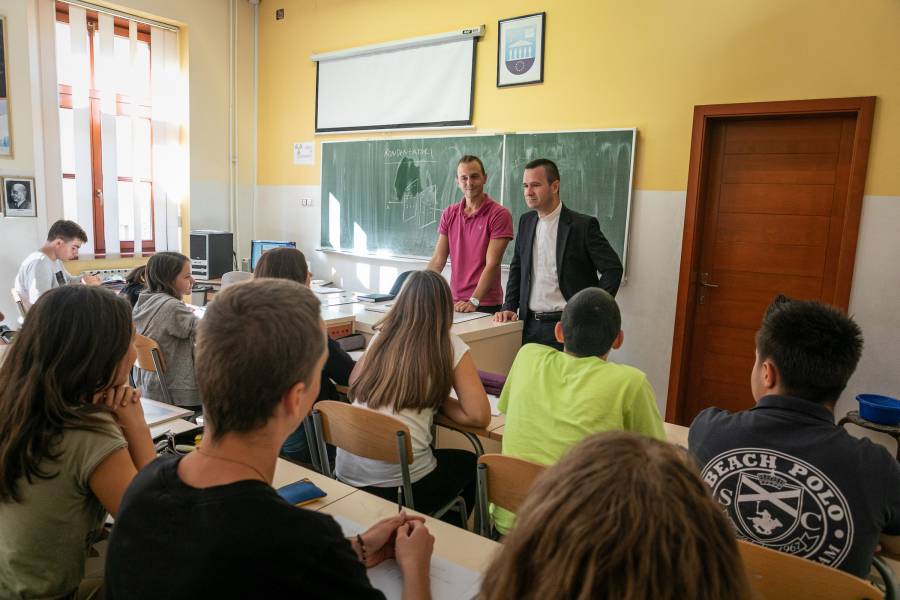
[307, 202]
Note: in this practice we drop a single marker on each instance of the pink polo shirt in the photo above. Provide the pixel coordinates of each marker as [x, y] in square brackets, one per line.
[469, 236]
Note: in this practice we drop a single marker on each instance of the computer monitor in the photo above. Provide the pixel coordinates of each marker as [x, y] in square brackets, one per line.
[257, 247]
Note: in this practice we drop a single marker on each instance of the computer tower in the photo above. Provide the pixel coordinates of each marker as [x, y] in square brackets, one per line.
[211, 253]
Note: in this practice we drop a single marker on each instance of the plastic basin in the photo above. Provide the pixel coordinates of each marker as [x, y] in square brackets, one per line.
[879, 409]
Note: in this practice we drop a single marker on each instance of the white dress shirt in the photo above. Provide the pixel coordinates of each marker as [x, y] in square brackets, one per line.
[545, 294]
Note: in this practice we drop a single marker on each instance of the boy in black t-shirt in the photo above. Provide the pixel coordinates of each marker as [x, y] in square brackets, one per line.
[788, 478]
[209, 524]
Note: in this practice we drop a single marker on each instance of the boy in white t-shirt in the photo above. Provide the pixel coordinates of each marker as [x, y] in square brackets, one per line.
[41, 271]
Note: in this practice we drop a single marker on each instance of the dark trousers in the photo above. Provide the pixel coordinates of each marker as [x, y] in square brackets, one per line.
[540, 332]
[489, 309]
[454, 476]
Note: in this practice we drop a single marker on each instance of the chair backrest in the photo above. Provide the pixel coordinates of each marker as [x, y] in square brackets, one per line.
[362, 431]
[232, 277]
[145, 348]
[509, 479]
[398, 283]
[776, 575]
[17, 299]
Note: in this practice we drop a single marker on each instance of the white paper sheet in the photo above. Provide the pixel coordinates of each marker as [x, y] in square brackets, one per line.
[463, 317]
[159, 412]
[326, 290]
[380, 308]
[449, 581]
[494, 400]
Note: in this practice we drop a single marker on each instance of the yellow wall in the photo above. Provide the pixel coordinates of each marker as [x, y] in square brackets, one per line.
[609, 63]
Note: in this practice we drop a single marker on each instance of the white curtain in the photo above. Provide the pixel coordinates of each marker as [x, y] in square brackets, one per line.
[167, 154]
[105, 79]
[81, 115]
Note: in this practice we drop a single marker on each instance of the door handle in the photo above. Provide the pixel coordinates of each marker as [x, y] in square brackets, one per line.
[704, 281]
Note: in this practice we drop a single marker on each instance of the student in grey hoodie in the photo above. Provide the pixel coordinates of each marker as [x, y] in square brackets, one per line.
[161, 315]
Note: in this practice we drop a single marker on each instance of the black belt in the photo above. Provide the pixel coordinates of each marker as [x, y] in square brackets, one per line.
[547, 316]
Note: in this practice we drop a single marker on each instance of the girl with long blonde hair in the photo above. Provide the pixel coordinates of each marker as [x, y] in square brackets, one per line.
[407, 372]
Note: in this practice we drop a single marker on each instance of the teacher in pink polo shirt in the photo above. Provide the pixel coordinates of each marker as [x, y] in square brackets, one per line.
[474, 233]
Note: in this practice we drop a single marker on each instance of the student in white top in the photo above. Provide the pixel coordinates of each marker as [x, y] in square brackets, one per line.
[407, 372]
[42, 270]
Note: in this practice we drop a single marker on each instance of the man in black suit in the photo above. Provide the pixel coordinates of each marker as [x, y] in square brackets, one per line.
[558, 253]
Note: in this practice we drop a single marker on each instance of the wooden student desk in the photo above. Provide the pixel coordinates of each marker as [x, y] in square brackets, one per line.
[491, 437]
[493, 345]
[287, 472]
[450, 542]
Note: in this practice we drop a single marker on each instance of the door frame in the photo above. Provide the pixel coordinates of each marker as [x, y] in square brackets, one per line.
[704, 117]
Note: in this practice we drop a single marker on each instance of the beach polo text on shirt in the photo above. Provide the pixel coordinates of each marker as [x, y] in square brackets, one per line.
[781, 502]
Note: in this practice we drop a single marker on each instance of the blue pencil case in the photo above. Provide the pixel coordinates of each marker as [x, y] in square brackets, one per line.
[301, 492]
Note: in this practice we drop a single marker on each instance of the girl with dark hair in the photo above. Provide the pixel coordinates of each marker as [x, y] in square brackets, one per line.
[289, 263]
[72, 437]
[134, 284]
[162, 316]
[620, 516]
[407, 372]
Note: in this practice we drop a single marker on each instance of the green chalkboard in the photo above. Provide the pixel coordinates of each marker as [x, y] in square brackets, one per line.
[594, 171]
[386, 196]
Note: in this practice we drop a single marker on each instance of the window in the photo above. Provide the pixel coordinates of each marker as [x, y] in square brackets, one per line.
[117, 101]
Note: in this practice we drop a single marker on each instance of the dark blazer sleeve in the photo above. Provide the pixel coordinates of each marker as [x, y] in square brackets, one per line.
[338, 365]
[514, 281]
[337, 369]
[604, 258]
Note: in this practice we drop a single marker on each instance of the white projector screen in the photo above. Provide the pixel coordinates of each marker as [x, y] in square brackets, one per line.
[420, 86]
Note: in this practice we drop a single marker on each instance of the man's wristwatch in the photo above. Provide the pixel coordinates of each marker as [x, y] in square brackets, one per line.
[474, 302]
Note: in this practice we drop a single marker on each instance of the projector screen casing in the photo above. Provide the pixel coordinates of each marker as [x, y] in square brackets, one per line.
[412, 87]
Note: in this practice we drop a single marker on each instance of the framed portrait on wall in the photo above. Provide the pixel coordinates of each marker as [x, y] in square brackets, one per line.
[18, 197]
[520, 50]
[5, 122]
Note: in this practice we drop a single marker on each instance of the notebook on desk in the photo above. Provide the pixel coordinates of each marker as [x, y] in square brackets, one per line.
[449, 581]
[160, 412]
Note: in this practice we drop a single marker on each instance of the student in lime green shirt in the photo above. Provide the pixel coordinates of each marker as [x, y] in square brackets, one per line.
[553, 400]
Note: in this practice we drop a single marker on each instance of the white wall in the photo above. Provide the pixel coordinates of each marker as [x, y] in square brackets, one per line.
[647, 298]
[21, 235]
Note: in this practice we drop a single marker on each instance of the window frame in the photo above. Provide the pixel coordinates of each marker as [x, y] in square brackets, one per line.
[142, 109]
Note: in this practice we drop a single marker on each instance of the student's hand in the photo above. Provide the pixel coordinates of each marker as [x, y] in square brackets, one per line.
[413, 546]
[126, 404]
[118, 396]
[379, 538]
[464, 306]
[88, 279]
[505, 315]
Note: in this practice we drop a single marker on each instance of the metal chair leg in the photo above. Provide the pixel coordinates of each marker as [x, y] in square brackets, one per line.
[482, 512]
[157, 364]
[404, 470]
[309, 430]
[320, 442]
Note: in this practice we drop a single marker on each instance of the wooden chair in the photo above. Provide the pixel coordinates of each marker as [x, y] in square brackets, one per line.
[375, 436]
[504, 481]
[150, 358]
[19, 304]
[776, 575]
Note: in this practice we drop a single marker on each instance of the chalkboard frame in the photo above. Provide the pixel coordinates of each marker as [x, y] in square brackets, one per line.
[503, 200]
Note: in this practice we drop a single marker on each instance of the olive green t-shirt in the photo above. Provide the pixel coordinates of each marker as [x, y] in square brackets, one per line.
[44, 538]
[553, 400]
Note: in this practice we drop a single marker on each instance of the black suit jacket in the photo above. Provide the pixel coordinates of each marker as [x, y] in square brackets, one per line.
[581, 251]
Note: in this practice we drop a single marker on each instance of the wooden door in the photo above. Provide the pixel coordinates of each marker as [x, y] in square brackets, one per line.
[773, 219]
